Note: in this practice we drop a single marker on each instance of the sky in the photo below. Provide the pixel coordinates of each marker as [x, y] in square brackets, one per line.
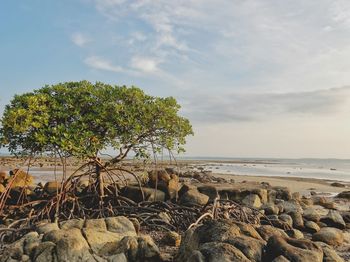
[256, 78]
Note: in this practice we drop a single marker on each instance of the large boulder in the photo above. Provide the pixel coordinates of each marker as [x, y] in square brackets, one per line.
[297, 250]
[329, 254]
[225, 238]
[334, 219]
[311, 214]
[344, 194]
[213, 252]
[20, 178]
[162, 180]
[270, 209]
[297, 218]
[52, 187]
[70, 245]
[267, 231]
[194, 197]
[311, 227]
[252, 200]
[208, 190]
[291, 205]
[136, 194]
[329, 235]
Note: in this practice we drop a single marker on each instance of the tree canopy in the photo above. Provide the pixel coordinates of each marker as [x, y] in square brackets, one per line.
[81, 119]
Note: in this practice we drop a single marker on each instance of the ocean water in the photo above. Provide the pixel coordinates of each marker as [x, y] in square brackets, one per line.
[330, 169]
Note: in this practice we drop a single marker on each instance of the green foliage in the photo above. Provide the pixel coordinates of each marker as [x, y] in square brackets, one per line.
[81, 119]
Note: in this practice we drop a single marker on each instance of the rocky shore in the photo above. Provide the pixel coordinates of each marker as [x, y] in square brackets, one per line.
[292, 225]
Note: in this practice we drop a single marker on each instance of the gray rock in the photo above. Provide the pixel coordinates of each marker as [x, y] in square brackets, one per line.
[334, 219]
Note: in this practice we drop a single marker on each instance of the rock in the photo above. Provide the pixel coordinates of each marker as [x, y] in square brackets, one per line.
[334, 219]
[120, 225]
[135, 194]
[344, 194]
[346, 216]
[52, 187]
[3, 176]
[270, 209]
[329, 254]
[193, 197]
[297, 218]
[311, 227]
[185, 187]
[31, 241]
[2, 188]
[295, 233]
[267, 231]
[162, 180]
[72, 223]
[283, 193]
[252, 201]
[172, 238]
[250, 247]
[297, 250]
[280, 259]
[329, 235]
[213, 252]
[231, 194]
[20, 178]
[296, 196]
[311, 215]
[210, 191]
[70, 245]
[329, 205]
[307, 201]
[248, 230]
[117, 258]
[262, 193]
[45, 252]
[292, 205]
[98, 239]
[45, 227]
[337, 184]
[286, 219]
[147, 249]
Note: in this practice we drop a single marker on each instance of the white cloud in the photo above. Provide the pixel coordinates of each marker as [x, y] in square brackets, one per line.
[102, 64]
[80, 39]
[144, 64]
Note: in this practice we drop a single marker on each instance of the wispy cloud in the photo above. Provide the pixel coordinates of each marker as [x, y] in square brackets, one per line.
[80, 39]
[102, 64]
[259, 106]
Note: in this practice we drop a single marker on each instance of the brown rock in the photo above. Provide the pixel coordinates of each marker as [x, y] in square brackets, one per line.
[20, 178]
[298, 250]
[329, 235]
